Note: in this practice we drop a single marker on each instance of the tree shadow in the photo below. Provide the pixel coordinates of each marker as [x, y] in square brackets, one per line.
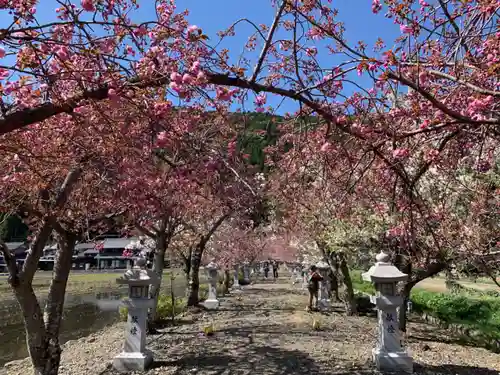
[247, 359]
[272, 292]
[166, 323]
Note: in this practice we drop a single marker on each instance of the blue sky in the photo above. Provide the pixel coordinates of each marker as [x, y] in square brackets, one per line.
[215, 15]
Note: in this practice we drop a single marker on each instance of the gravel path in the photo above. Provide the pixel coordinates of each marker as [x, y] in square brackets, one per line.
[264, 330]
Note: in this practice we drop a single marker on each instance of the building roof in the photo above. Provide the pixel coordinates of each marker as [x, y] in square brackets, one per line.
[117, 243]
[14, 245]
[84, 245]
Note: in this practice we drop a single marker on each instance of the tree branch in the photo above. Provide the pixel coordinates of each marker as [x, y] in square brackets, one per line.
[36, 249]
[436, 103]
[145, 231]
[268, 42]
[10, 261]
[478, 89]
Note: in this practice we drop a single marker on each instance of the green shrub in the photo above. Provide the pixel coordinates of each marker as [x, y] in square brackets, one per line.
[241, 278]
[163, 309]
[479, 313]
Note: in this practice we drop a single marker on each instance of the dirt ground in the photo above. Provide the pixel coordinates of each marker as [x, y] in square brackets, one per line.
[264, 329]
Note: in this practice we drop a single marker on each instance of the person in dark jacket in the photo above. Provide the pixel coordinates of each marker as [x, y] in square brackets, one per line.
[275, 269]
[313, 281]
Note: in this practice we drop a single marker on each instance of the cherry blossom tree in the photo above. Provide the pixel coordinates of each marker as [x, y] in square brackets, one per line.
[54, 177]
[428, 105]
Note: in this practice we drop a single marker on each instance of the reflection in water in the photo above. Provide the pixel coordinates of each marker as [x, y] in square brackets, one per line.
[82, 316]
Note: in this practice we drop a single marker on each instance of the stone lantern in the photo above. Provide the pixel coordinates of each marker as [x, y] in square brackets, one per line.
[134, 356]
[236, 282]
[323, 295]
[246, 273]
[212, 303]
[389, 355]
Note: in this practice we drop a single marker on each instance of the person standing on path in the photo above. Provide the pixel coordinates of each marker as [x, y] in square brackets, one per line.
[275, 269]
[266, 269]
[313, 286]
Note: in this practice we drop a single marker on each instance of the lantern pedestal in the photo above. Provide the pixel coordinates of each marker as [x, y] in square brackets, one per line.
[236, 282]
[135, 356]
[387, 361]
[212, 303]
[323, 295]
[389, 354]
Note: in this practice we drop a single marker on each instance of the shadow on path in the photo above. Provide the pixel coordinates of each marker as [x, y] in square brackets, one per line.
[246, 359]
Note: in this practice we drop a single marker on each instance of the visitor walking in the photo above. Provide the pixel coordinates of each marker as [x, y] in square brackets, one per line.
[313, 286]
[266, 270]
[275, 269]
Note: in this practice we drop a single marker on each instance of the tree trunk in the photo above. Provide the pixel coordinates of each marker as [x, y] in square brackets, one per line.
[404, 289]
[187, 265]
[54, 305]
[348, 291]
[334, 286]
[194, 279]
[227, 281]
[34, 326]
[403, 311]
[158, 266]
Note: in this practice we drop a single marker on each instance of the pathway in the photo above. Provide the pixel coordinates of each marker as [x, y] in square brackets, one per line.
[264, 330]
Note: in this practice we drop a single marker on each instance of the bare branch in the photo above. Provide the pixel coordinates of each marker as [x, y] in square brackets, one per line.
[268, 42]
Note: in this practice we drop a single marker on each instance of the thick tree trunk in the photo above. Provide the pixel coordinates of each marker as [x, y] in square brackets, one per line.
[403, 310]
[334, 286]
[187, 265]
[54, 305]
[348, 291]
[158, 266]
[34, 327]
[403, 289]
[227, 280]
[194, 279]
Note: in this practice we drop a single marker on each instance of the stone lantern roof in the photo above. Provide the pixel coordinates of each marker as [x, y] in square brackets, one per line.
[211, 266]
[138, 275]
[322, 265]
[384, 271]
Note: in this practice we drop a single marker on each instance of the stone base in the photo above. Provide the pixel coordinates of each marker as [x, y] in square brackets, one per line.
[323, 304]
[211, 304]
[396, 361]
[128, 362]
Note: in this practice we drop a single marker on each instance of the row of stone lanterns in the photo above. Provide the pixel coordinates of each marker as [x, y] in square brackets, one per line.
[388, 354]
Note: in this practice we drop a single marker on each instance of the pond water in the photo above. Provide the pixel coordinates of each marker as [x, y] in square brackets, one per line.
[83, 315]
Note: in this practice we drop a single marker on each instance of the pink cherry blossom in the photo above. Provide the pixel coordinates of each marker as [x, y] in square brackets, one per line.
[88, 5]
[401, 153]
[326, 147]
[376, 6]
[405, 29]
[187, 79]
[192, 29]
[176, 77]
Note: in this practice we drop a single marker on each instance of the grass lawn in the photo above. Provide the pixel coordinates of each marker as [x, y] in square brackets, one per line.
[437, 284]
[78, 283]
